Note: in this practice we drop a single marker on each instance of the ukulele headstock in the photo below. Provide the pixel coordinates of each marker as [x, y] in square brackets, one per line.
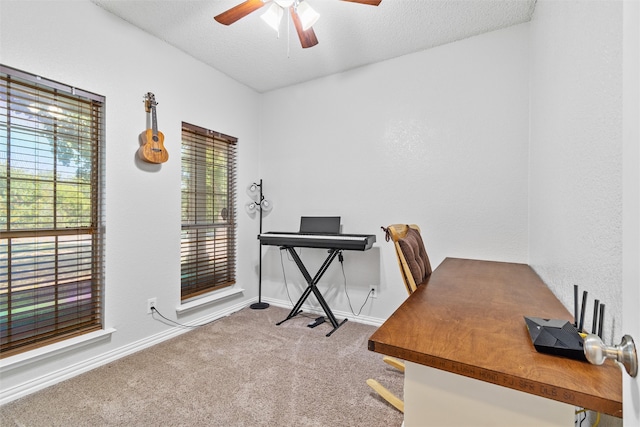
[149, 101]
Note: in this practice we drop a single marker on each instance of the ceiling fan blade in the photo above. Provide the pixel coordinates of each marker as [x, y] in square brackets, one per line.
[240, 11]
[308, 37]
[369, 2]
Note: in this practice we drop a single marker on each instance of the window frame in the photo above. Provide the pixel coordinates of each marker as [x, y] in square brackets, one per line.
[208, 240]
[78, 311]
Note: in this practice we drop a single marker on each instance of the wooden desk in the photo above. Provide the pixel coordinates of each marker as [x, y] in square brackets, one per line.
[468, 319]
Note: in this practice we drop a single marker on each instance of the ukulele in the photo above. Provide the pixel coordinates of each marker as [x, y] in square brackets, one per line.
[152, 150]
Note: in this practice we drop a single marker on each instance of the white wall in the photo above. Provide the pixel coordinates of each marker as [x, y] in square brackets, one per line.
[575, 229]
[438, 138]
[76, 42]
[631, 198]
[576, 152]
[464, 104]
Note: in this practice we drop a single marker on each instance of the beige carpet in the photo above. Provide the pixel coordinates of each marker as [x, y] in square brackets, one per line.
[242, 370]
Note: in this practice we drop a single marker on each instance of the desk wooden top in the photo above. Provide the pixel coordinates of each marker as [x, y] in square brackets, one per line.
[468, 319]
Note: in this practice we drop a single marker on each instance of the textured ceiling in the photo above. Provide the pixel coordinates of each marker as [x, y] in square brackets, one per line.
[350, 34]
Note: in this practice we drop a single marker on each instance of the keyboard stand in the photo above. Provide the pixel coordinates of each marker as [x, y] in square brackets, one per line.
[311, 287]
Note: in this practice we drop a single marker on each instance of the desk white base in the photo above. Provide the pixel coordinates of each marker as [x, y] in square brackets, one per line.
[433, 397]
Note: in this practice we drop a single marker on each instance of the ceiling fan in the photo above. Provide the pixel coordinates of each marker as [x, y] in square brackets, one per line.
[302, 14]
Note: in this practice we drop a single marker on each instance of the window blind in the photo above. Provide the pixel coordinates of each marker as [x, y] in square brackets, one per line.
[51, 264]
[208, 241]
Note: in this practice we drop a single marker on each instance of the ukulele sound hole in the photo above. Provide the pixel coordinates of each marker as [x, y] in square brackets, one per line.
[155, 138]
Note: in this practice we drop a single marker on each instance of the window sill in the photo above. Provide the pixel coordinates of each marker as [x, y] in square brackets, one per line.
[32, 356]
[211, 298]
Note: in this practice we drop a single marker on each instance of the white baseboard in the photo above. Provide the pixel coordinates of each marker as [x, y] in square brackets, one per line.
[26, 388]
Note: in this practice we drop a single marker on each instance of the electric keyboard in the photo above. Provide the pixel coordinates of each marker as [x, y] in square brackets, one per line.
[353, 242]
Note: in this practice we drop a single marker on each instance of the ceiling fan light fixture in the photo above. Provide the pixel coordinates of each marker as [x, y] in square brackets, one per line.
[308, 16]
[273, 16]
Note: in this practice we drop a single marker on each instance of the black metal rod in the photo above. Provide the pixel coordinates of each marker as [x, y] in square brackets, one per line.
[596, 303]
[575, 305]
[325, 265]
[260, 253]
[260, 305]
[601, 320]
[311, 287]
[297, 308]
[325, 306]
[584, 308]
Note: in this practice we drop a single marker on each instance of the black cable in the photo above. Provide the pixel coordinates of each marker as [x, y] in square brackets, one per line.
[340, 258]
[155, 310]
[284, 275]
[286, 285]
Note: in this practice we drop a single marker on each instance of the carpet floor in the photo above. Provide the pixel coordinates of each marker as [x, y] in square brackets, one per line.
[241, 370]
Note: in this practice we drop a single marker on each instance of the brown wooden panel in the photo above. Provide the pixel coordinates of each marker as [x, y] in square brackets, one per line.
[468, 319]
[232, 15]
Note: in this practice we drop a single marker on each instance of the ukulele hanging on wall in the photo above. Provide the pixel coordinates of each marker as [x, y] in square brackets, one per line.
[152, 150]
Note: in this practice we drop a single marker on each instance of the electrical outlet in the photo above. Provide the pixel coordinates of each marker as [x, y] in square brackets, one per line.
[151, 303]
[374, 292]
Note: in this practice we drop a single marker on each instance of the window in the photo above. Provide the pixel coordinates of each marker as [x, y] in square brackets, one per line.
[208, 243]
[51, 269]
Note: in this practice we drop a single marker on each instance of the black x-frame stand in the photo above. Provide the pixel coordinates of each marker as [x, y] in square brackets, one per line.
[311, 287]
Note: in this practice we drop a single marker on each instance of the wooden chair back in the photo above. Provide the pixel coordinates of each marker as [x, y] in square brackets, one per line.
[396, 232]
[407, 236]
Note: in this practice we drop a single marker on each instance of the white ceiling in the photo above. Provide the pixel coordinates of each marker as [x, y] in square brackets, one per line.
[349, 34]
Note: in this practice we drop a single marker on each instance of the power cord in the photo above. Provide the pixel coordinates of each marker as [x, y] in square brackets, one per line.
[584, 412]
[284, 275]
[155, 310]
[341, 259]
[286, 285]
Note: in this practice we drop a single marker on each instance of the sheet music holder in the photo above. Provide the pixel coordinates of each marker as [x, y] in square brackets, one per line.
[320, 224]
